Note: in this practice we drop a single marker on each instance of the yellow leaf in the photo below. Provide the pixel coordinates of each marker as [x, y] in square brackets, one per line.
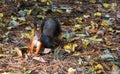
[74, 46]
[68, 51]
[43, 0]
[76, 53]
[105, 23]
[32, 32]
[108, 43]
[98, 14]
[92, 1]
[106, 5]
[70, 47]
[85, 43]
[67, 47]
[99, 67]
[1, 15]
[29, 12]
[29, 35]
[79, 20]
[111, 29]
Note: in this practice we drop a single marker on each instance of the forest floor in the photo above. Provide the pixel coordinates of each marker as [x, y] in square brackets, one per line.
[89, 42]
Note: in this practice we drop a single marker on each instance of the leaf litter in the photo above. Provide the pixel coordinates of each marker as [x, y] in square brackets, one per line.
[89, 43]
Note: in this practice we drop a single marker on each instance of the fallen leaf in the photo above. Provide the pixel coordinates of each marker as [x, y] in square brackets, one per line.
[94, 25]
[92, 1]
[80, 35]
[79, 69]
[85, 43]
[30, 34]
[21, 19]
[106, 5]
[43, 0]
[111, 29]
[113, 6]
[68, 10]
[70, 47]
[67, 48]
[105, 23]
[101, 32]
[78, 27]
[107, 16]
[69, 35]
[71, 71]
[73, 47]
[19, 52]
[1, 15]
[40, 16]
[92, 31]
[107, 56]
[28, 28]
[98, 67]
[6, 73]
[22, 13]
[108, 43]
[97, 14]
[94, 38]
[47, 50]
[86, 16]
[79, 20]
[76, 53]
[3, 55]
[29, 12]
[80, 61]
[115, 69]
[58, 53]
[40, 59]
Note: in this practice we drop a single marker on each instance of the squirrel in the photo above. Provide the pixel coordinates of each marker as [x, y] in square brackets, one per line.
[49, 30]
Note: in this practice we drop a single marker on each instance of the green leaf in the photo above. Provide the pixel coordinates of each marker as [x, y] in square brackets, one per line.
[40, 16]
[94, 38]
[81, 35]
[43, 1]
[106, 5]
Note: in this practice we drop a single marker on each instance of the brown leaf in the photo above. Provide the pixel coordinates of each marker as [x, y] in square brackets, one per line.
[19, 52]
[93, 31]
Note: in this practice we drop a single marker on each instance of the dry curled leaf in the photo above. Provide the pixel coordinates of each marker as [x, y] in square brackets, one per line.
[40, 59]
[19, 52]
[70, 47]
